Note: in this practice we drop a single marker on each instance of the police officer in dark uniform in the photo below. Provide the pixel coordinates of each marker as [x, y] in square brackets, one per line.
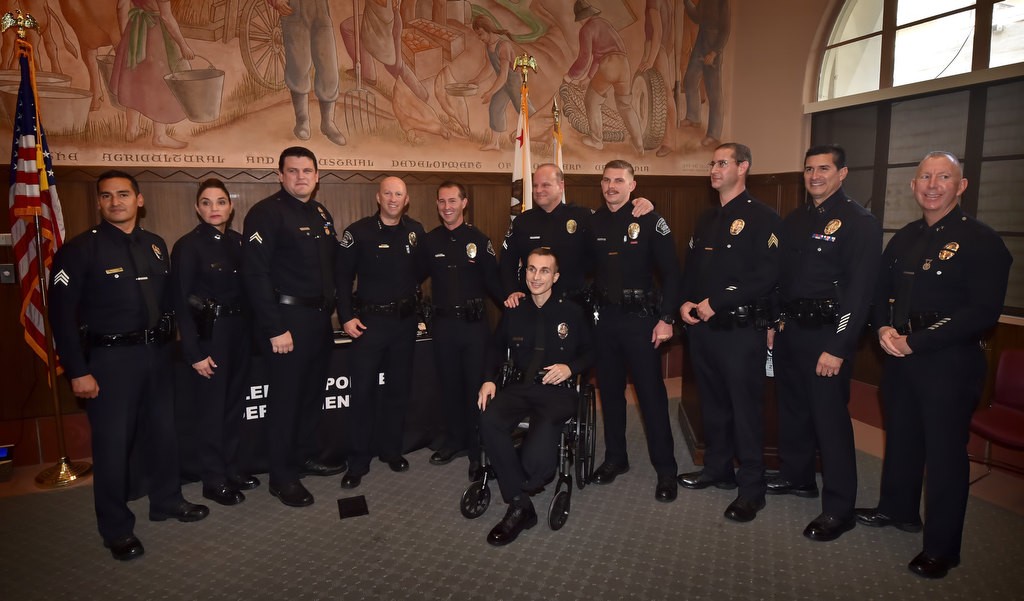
[111, 311]
[633, 320]
[462, 266]
[942, 286]
[381, 253]
[731, 269]
[548, 339]
[830, 250]
[215, 338]
[555, 225]
[289, 248]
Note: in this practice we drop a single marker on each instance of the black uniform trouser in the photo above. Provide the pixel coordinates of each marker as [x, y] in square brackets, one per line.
[547, 407]
[813, 412]
[135, 405]
[928, 401]
[377, 414]
[459, 350]
[296, 395]
[624, 345]
[220, 399]
[728, 366]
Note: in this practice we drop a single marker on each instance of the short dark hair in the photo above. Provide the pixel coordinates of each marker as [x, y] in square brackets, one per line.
[296, 151]
[543, 251]
[452, 184]
[559, 174]
[949, 156]
[837, 152]
[117, 174]
[620, 164]
[212, 183]
[740, 152]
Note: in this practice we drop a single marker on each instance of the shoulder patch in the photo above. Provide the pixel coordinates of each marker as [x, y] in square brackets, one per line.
[691, 243]
[490, 249]
[508, 232]
[662, 227]
[347, 240]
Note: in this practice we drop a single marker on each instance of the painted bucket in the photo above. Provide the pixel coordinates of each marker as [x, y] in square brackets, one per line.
[42, 78]
[64, 110]
[199, 92]
[106, 65]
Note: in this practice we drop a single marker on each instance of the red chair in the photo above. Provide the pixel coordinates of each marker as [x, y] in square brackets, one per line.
[1002, 422]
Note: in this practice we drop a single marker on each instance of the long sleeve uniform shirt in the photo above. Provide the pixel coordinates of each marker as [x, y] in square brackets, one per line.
[566, 336]
[461, 265]
[563, 230]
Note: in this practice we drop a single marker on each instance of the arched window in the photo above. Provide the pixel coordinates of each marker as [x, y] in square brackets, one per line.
[900, 78]
[879, 44]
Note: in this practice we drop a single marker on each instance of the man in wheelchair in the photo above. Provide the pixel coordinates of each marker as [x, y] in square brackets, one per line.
[548, 341]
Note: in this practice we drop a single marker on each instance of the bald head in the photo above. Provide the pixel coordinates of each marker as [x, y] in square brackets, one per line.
[938, 185]
[392, 198]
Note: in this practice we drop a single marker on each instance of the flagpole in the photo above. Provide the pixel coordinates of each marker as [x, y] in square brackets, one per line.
[65, 471]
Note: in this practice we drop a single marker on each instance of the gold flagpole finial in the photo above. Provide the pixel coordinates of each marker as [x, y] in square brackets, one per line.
[19, 20]
[524, 63]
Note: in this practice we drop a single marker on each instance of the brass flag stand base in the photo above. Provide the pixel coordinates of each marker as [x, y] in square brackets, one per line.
[64, 473]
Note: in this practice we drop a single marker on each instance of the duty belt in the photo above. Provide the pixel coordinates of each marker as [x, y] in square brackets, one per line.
[472, 310]
[514, 376]
[162, 333]
[211, 306]
[920, 321]
[741, 317]
[400, 308]
[811, 312]
[313, 302]
[633, 300]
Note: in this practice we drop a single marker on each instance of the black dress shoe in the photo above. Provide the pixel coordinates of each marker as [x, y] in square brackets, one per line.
[125, 549]
[517, 519]
[780, 486]
[744, 510]
[225, 494]
[351, 479]
[183, 512]
[608, 471]
[826, 527]
[314, 468]
[876, 519]
[445, 456]
[243, 482]
[697, 481]
[667, 489]
[293, 494]
[397, 465]
[931, 567]
[476, 471]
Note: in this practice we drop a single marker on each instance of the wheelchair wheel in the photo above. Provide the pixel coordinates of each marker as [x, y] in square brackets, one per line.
[586, 439]
[475, 500]
[558, 511]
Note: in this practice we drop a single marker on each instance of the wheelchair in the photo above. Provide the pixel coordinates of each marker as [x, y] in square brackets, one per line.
[575, 455]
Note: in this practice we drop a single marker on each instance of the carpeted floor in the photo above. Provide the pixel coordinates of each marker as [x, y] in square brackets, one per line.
[619, 543]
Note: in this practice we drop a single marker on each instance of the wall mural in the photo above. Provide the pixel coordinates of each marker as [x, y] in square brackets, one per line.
[411, 85]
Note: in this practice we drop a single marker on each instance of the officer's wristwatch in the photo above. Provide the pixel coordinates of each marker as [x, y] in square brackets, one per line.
[669, 319]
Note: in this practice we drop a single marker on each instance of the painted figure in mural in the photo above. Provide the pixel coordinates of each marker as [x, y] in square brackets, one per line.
[143, 56]
[309, 42]
[380, 37]
[712, 19]
[603, 59]
[659, 53]
[505, 88]
[96, 26]
[212, 313]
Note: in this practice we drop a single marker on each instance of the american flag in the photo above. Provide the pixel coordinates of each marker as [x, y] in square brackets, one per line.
[33, 194]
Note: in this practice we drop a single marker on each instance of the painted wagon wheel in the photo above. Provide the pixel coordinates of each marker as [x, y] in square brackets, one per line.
[262, 43]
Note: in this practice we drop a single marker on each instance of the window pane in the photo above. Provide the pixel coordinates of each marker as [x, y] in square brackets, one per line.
[854, 129]
[926, 124]
[1015, 291]
[857, 186]
[859, 17]
[1004, 127]
[909, 11]
[1007, 33]
[999, 195]
[934, 49]
[850, 69]
[900, 206]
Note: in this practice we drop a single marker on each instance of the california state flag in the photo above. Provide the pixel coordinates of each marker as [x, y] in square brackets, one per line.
[522, 165]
